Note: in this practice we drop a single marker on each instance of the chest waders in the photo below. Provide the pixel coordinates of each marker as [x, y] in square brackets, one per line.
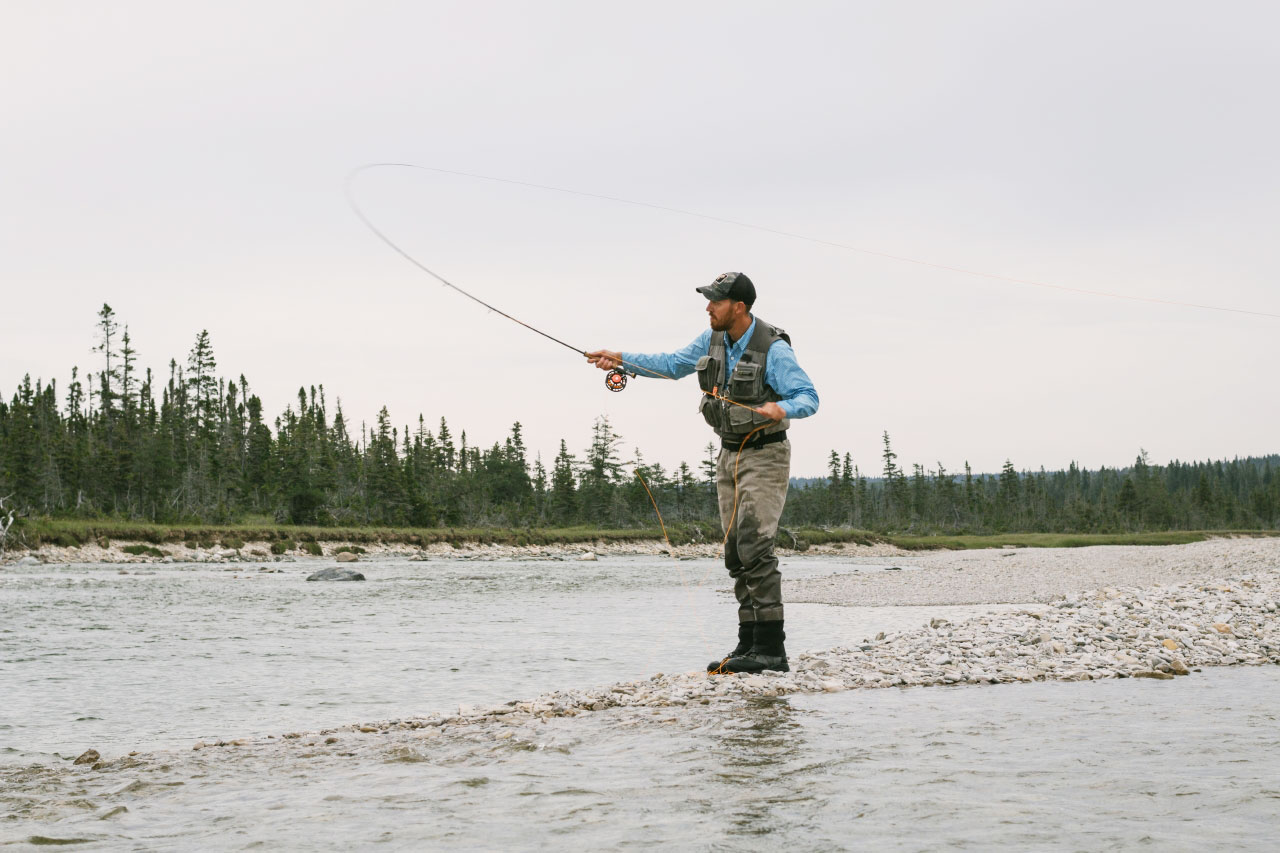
[759, 489]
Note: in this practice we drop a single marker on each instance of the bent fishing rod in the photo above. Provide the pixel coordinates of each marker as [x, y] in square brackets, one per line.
[615, 380]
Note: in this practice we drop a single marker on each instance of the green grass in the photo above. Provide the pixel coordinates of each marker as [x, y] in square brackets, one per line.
[33, 532]
[348, 549]
[141, 550]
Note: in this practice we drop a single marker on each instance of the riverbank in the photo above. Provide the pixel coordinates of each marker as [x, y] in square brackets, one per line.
[79, 540]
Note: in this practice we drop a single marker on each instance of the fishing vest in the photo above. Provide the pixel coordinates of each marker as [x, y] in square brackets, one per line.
[746, 386]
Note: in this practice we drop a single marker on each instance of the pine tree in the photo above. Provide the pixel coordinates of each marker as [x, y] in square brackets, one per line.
[564, 498]
[109, 378]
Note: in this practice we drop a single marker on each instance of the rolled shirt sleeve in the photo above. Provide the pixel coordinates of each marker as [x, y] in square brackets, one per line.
[675, 365]
[788, 379]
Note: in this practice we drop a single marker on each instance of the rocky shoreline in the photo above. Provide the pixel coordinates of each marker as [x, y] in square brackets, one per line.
[258, 552]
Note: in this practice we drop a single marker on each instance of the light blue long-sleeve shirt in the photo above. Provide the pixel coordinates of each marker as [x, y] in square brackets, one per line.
[782, 372]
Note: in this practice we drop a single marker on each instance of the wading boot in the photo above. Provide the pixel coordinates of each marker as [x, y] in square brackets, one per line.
[767, 652]
[746, 636]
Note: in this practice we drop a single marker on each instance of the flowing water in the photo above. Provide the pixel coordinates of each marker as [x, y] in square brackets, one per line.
[153, 661]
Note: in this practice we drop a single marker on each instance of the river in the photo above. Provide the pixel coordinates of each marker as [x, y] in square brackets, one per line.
[154, 660]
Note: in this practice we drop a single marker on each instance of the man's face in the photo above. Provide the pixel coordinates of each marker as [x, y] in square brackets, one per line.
[722, 313]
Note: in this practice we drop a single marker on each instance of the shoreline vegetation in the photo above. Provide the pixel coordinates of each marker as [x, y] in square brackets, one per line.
[147, 538]
[194, 450]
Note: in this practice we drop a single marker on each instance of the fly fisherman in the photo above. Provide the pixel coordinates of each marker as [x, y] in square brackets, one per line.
[750, 362]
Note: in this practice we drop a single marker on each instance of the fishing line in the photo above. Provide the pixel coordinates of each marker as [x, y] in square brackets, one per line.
[767, 230]
[616, 380]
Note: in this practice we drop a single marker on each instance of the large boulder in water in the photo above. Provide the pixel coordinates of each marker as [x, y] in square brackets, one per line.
[336, 574]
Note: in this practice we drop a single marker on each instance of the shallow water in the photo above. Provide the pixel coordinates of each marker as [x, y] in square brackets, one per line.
[174, 654]
[1192, 764]
[163, 659]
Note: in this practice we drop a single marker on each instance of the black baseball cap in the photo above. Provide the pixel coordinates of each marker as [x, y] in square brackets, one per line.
[730, 285]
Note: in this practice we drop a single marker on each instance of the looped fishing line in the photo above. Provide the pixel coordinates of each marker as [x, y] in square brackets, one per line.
[767, 230]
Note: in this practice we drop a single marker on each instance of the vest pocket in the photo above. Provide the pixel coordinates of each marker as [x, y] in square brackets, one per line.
[711, 411]
[708, 368]
[745, 420]
[747, 382]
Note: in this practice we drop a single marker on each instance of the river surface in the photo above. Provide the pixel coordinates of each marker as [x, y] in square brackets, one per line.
[156, 660]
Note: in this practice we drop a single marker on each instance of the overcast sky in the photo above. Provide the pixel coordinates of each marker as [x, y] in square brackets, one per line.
[184, 162]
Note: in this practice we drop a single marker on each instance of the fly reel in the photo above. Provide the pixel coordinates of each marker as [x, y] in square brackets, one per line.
[616, 379]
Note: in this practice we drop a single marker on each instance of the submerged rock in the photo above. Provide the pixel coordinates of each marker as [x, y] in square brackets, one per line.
[89, 756]
[336, 575]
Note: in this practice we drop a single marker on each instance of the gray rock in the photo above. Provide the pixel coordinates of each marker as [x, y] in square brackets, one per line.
[89, 756]
[347, 557]
[28, 561]
[336, 575]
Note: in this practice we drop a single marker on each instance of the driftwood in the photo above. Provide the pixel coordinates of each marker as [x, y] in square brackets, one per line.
[7, 516]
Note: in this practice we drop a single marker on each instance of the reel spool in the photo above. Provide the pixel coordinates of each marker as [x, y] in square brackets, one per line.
[616, 379]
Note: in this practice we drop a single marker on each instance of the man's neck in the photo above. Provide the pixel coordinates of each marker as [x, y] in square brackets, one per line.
[739, 328]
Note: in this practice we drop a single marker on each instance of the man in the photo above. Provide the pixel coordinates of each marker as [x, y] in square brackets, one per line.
[752, 388]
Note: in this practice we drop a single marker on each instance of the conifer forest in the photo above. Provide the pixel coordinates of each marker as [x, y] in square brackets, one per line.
[195, 447]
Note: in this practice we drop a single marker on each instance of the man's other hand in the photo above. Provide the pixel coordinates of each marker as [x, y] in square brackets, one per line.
[605, 359]
[772, 411]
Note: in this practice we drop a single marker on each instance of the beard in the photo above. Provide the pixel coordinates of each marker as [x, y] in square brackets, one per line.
[719, 325]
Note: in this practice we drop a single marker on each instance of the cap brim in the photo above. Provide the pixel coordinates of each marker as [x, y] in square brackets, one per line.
[709, 291]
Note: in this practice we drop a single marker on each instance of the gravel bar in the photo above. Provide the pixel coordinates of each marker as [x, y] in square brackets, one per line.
[1229, 615]
[1027, 575]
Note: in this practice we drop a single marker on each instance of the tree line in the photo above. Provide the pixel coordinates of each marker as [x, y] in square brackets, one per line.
[196, 447]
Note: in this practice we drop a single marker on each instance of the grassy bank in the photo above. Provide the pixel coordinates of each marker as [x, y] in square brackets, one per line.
[32, 533]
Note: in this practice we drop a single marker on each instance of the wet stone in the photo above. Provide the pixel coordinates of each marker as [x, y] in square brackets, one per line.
[336, 575]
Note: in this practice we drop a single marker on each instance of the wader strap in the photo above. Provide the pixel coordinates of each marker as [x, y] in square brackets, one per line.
[757, 441]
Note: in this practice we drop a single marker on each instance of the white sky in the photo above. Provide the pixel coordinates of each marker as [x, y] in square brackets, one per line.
[184, 162]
